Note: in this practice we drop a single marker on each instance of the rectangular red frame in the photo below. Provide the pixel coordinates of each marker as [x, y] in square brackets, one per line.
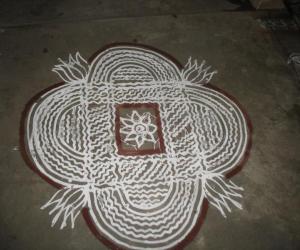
[133, 152]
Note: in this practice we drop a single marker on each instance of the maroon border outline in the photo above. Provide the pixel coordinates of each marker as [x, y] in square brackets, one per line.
[130, 152]
[85, 211]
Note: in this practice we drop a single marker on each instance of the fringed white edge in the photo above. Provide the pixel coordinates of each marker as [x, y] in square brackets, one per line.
[74, 70]
[66, 204]
[224, 196]
[194, 73]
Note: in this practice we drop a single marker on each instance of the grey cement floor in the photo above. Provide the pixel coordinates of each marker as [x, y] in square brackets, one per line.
[250, 67]
[15, 12]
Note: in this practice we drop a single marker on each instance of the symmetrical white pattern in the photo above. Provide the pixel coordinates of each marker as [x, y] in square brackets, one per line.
[143, 201]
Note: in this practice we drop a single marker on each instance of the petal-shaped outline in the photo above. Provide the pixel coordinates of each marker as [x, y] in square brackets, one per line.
[153, 130]
[140, 140]
[135, 117]
[127, 122]
[146, 118]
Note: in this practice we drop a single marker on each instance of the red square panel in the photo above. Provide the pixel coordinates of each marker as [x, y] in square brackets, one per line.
[138, 129]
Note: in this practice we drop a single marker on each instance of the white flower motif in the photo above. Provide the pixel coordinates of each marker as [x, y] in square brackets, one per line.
[138, 129]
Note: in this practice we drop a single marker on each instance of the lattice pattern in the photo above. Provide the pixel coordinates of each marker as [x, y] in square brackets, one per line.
[136, 201]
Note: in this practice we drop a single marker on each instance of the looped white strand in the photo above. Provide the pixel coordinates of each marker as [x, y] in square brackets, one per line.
[74, 70]
[194, 73]
[66, 204]
[219, 192]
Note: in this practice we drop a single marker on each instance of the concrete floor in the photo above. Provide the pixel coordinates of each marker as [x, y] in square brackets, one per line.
[251, 67]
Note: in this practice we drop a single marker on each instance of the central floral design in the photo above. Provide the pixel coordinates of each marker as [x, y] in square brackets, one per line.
[138, 129]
